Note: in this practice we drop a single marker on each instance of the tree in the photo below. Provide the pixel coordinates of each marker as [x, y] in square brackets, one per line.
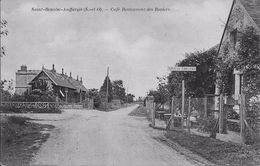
[119, 90]
[6, 95]
[94, 94]
[4, 32]
[161, 94]
[200, 82]
[43, 93]
[104, 87]
[130, 97]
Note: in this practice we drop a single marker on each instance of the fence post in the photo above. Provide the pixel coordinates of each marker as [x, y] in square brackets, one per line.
[189, 110]
[183, 103]
[172, 115]
[242, 117]
[151, 109]
[221, 109]
[153, 114]
[205, 106]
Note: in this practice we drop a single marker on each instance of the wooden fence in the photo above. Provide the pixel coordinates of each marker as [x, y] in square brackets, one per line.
[30, 105]
[210, 105]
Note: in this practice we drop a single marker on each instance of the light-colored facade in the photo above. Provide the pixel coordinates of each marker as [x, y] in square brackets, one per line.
[22, 79]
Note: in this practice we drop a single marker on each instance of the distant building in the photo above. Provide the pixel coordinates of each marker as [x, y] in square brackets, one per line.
[22, 79]
[64, 87]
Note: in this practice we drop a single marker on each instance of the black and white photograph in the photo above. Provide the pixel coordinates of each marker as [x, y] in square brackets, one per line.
[130, 83]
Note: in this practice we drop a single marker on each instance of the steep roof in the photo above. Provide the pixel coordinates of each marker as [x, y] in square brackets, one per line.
[77, 84]
[253, 9]
[58, 79]
[63, 80]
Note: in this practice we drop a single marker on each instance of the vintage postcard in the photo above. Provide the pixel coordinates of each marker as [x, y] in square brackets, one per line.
[130, 82]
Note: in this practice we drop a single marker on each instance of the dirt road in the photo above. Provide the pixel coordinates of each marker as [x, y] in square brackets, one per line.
[89, 137]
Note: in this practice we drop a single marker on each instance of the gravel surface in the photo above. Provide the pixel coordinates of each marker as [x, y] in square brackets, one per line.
[90, 137]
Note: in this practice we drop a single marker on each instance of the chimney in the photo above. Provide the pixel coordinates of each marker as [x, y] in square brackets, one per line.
[23, 68]
[70, 75]
[77, 78]
[42, 67]
[81, 80]
[53, 69]
[62, 71]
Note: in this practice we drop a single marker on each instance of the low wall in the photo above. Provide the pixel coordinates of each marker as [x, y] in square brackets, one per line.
[71, 106]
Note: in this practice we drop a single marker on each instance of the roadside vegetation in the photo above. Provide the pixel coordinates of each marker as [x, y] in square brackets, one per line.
[216, 151]
[21, 139]
[140, 111]
[117, 96]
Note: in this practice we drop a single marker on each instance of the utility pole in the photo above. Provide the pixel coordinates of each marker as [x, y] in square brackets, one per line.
[107, 89]
[0, 85]
[127, 96]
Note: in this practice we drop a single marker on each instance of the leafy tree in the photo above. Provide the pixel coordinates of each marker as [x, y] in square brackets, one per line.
[119, 90]
[130, 97]
[161, 94]
[103, 89]
[200, 82]
[6, 95]
[94, 94]
[42, 93]
[4, 32]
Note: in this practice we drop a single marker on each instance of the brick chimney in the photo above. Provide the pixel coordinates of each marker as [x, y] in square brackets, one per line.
[70, 75]
[77, 77]
[23, 68]
[81, 80]
[62, 71]
[53, 69]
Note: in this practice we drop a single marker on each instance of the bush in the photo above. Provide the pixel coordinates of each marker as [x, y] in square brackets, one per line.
[233, 126]
[209, 125]
[18, 120]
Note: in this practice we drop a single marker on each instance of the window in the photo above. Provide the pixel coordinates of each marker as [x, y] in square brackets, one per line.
[233, 38]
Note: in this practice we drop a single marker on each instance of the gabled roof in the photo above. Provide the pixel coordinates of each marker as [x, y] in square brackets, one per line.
[58, 79]
[253, 9]
[77, 84]
[63, 80]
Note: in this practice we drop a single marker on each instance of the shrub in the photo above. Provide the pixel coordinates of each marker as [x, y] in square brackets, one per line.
[209, 125]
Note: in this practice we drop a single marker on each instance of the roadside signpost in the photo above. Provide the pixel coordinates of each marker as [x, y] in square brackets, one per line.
[182, 69]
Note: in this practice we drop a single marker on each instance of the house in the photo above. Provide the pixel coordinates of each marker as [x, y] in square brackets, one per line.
[22, 79]
[64, 87]
[243, 14]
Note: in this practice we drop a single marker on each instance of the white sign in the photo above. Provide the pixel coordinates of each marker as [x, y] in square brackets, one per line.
[184, 68]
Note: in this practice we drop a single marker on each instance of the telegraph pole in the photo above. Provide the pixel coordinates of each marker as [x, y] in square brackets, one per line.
[127, 96]
[107, 88]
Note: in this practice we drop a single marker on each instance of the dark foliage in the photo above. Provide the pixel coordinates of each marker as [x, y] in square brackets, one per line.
[104, 88]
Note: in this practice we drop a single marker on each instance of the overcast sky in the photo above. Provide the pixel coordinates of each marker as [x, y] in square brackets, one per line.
[137, 46]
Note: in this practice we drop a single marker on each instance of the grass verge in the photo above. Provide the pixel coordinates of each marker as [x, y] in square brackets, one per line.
[216, 151]
[21, 139]
[140, 111]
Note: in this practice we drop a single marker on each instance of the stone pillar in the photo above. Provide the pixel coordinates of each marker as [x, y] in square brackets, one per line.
[217, 92]
[237, 87]
[151, 109]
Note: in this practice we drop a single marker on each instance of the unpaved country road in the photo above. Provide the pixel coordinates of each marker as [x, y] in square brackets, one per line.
[89, 137]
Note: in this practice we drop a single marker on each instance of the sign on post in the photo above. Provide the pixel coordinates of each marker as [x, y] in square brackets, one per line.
[183, 68]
